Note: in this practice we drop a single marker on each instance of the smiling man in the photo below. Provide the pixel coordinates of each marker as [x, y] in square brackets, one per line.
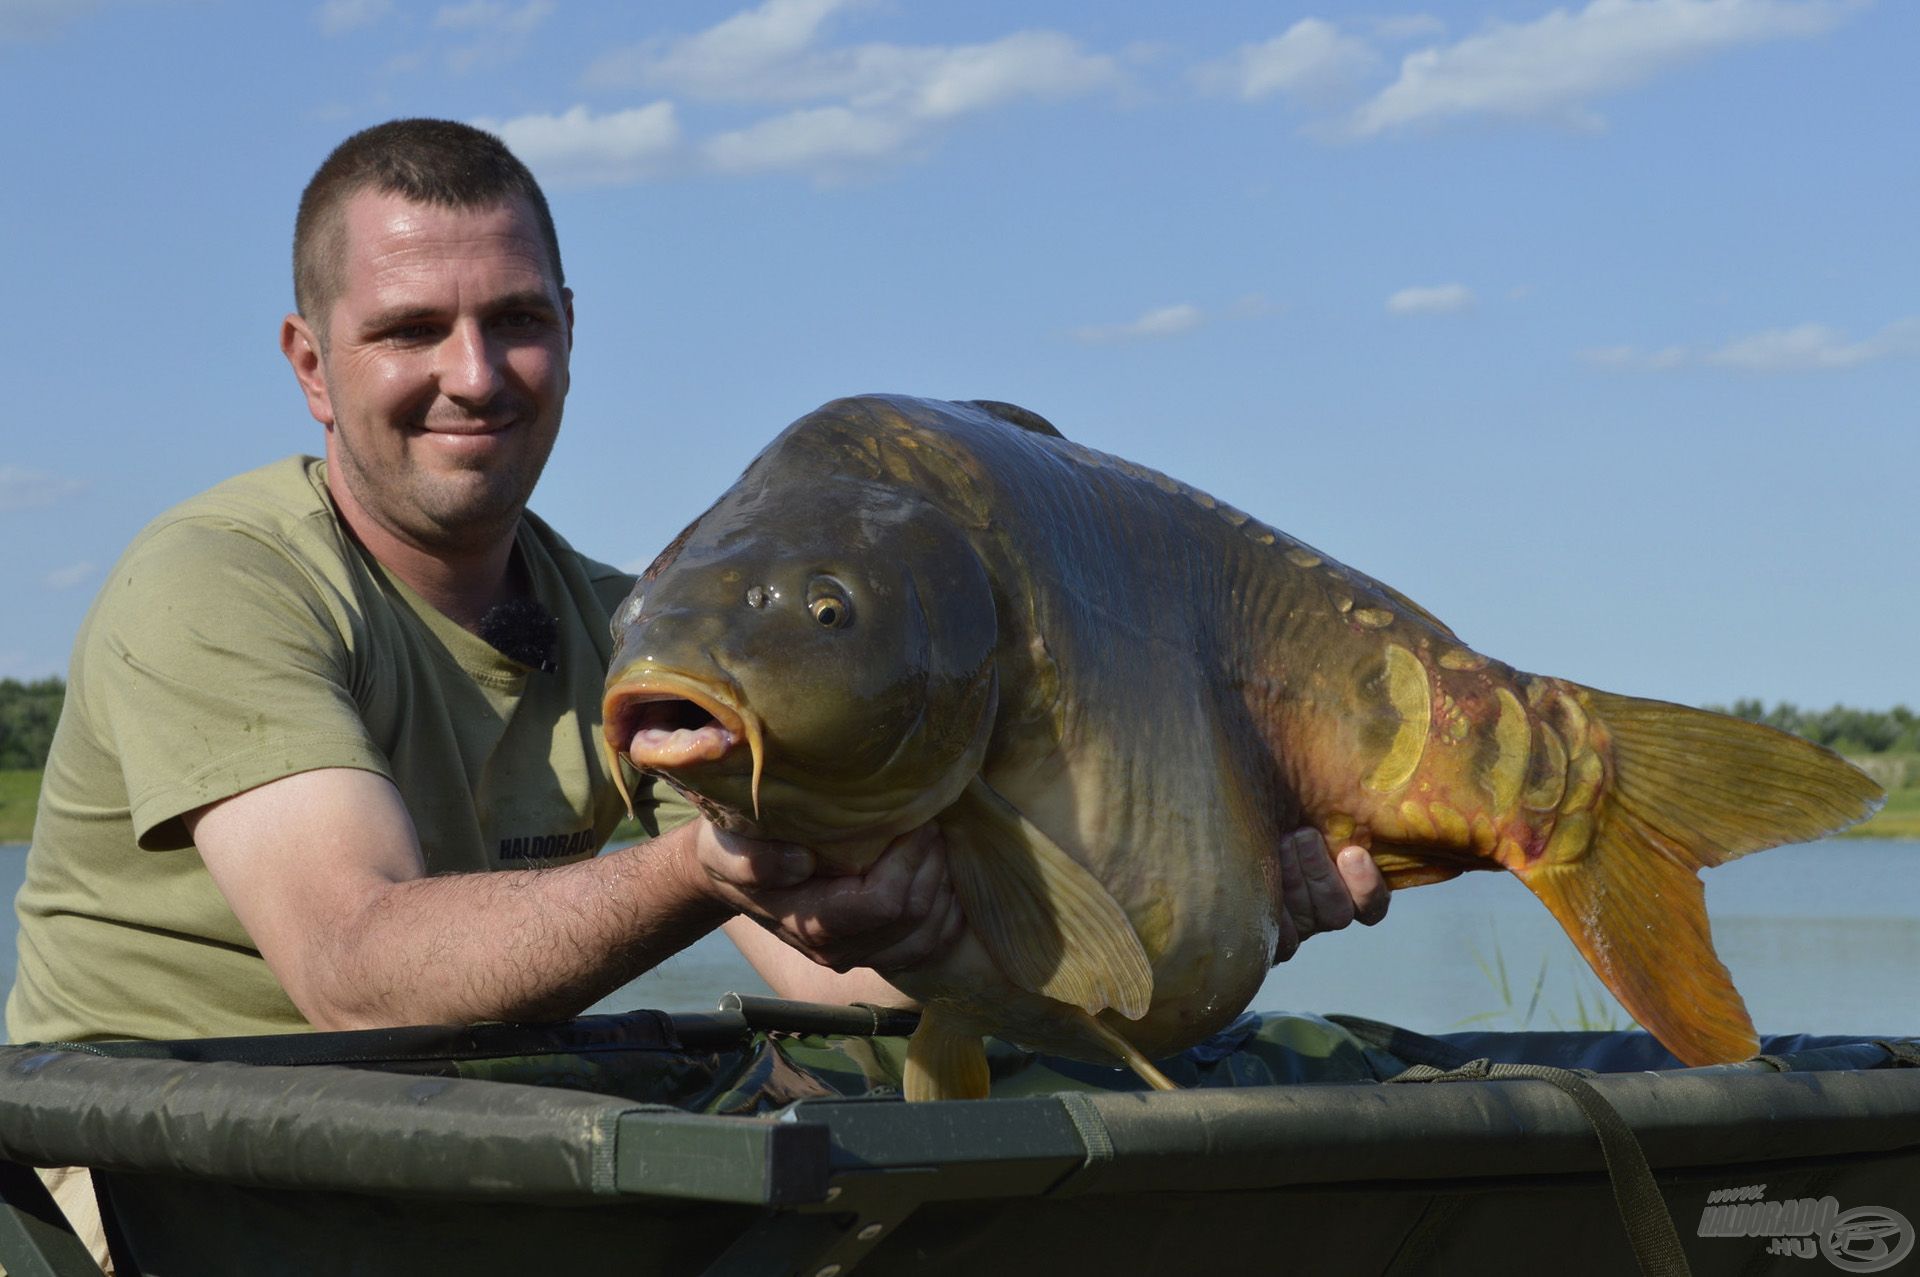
[330, 754]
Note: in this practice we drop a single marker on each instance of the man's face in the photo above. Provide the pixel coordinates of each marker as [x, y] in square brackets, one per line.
[444, 370]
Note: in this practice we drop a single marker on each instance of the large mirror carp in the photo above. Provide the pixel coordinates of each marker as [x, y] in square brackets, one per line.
[1116, 695]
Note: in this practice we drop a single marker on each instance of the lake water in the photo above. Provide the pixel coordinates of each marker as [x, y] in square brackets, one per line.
[1820, 939]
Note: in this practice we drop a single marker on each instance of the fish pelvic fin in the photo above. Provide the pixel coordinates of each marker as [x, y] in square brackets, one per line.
[1129, 1054]
[946, 1060]
[1685, 790]
[1046, 921]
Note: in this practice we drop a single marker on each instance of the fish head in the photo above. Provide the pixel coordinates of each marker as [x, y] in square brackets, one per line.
[812, 661]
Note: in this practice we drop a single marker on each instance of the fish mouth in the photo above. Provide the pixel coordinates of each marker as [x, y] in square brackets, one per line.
[662, 722]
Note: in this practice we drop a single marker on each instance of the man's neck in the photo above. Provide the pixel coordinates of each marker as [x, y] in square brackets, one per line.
[462, 582]
[462, 587]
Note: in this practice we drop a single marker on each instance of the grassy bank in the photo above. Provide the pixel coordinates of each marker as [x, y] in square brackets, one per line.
[19, 792]
[1900, 818]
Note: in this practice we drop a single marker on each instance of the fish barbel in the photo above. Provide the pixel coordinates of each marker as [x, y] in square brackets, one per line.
[1116, 695]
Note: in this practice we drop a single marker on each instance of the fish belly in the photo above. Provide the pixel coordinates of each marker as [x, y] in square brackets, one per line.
[1169, 824]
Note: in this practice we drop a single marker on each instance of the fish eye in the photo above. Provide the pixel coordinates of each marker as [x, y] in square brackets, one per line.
[828, 604]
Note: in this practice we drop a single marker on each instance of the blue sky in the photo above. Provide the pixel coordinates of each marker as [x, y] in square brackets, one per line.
[1594, 328]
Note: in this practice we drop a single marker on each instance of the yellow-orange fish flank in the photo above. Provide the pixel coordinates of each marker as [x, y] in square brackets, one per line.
[1115, 695]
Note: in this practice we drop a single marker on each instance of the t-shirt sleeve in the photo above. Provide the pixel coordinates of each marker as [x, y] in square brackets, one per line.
[216, 662]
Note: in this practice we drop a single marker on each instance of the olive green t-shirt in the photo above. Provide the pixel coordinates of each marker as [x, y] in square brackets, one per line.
[243, 637]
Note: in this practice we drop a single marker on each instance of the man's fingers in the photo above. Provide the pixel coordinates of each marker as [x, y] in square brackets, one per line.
[928, 880]
[1365, 885]
[1320, 893]
[745, 864]
[896, 914]
[1295, 898]
[1315, 895]
[1287, 943]
[1332, 903]
[934, 934]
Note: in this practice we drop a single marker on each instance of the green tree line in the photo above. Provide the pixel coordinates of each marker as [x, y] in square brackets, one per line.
[1842, 729]
[27, 717]
[28, 712]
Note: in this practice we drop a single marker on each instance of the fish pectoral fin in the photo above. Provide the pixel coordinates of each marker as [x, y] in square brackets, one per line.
[1047, 922]
[945, 1060]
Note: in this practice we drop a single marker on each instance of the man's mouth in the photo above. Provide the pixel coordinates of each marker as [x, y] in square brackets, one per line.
[464, 430]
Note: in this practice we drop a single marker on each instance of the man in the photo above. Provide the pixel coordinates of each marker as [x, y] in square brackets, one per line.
[295, 784]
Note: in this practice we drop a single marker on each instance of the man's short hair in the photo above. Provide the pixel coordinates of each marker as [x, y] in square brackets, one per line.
[437, 162]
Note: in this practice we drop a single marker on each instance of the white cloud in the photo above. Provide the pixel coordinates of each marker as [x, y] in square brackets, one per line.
[1801, 348]
[73, 574]
[1816, 346]
[1310, 61]
[1439, 299]
[1634, 357]
[824, 139]
[1167, 321]
[727, 61]
[499, 31]
[979, 77]
[336, 17]
[1554, 66]
[850, 106]
[22, 489]
[583, 149]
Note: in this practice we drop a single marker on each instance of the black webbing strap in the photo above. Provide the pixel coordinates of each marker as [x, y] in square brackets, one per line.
[1643, 1211]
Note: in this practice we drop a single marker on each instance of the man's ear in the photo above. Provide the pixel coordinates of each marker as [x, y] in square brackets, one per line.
[302, 349]
[566, 304]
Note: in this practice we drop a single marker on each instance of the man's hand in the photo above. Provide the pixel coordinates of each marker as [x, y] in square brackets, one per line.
[1319, 893]
[897, 914]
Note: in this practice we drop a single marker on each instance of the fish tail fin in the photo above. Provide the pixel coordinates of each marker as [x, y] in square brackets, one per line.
[946, 1060]
[1683, 789]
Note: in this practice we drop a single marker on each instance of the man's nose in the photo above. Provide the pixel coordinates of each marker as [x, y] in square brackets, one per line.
[469, 364]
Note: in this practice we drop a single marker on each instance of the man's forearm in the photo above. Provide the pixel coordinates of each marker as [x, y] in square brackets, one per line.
[528, 944]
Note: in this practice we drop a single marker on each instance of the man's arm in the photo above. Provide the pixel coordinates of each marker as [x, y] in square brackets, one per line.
[324, 871]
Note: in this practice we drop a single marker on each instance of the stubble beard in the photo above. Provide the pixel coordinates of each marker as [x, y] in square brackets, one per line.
[463, 509]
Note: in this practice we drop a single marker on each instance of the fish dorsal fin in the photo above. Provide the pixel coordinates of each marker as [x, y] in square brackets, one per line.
[1047, 922]
[1015, 415]
[1417, 610]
